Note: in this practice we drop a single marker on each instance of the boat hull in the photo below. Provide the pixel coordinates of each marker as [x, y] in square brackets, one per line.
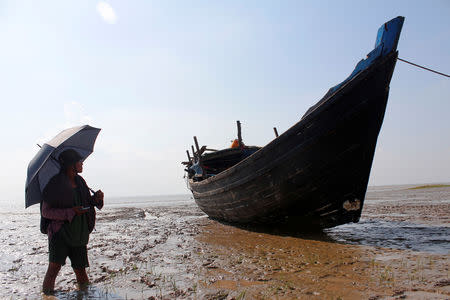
[318, 170]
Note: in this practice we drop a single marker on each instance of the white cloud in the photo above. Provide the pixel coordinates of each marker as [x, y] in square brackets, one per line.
[107, 12]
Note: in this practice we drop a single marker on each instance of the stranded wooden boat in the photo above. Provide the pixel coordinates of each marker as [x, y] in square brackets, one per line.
[318, 170]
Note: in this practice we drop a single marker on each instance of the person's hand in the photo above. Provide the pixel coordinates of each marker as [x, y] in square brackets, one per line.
[79, 211]
[98, 196]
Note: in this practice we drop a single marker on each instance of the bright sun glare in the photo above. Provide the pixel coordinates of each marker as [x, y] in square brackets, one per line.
[106, 12]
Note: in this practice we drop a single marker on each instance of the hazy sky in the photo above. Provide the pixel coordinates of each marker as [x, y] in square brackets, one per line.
[152, 74]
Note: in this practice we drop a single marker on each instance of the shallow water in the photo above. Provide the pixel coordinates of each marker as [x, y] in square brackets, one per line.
[91, 292]
[396, 235]
[401, 218]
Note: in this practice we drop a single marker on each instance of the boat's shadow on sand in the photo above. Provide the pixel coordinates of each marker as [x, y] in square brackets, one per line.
[372, 232]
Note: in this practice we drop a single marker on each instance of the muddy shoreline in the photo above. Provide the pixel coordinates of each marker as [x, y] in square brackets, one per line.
[169, 252]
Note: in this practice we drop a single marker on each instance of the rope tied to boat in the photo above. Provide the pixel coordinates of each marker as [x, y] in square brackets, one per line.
[422, 67]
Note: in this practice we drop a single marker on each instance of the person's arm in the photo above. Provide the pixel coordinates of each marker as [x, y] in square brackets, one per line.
[94, 200]
[58, 214]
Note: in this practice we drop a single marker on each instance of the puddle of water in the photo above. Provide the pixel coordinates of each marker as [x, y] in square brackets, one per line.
[92, 292]
[391, 234]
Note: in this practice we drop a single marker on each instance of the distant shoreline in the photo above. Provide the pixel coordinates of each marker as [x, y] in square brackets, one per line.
[429, 186]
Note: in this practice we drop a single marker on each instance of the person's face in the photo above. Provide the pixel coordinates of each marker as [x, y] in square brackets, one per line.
[79, 167]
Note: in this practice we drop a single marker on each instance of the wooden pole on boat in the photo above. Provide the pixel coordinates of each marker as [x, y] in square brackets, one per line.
[239, 133]
[193, 154]
[198, 149]
[189, 157]
[276, 132]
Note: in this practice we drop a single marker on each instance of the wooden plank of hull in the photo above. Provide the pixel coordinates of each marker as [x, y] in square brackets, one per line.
[318, 169]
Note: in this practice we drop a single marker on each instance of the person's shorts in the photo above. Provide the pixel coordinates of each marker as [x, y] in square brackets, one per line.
[59, 250]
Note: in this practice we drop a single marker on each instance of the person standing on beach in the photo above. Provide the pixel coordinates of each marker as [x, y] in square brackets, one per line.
[68, 217]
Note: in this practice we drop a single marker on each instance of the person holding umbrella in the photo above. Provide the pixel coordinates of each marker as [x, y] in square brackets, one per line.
[66, 203]
[68, 218]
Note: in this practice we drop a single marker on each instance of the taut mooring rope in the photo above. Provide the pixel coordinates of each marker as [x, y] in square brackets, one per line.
[423, 67]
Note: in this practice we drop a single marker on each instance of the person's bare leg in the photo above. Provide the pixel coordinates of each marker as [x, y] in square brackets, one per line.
[49, 280]
[82, 278]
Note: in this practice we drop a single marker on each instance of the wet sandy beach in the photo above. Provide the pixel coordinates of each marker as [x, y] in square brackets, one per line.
[399, 250]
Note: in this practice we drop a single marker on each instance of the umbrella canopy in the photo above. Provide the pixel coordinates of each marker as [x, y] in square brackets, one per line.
[45, 164]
